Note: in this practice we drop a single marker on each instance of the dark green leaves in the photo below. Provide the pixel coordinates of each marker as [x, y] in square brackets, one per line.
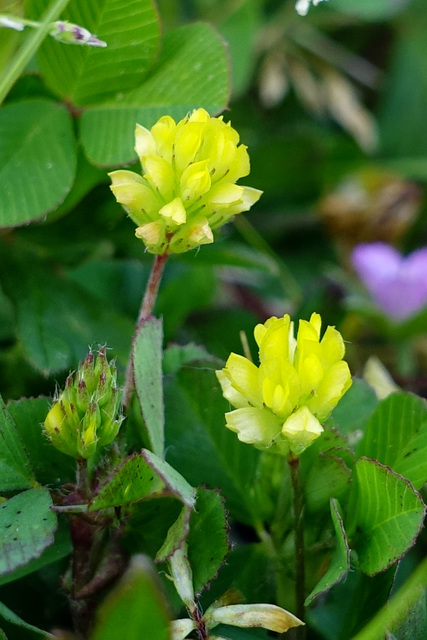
[15, 469]
[135, 609]
[51, 467]
[37, 160]
[340, 561]
[396, 435]
[9, 621]
[147, 366]
[140, 476]
[54, 338]
[84, 75]
[388, 516]
[207, 542]
[200, 446]
[192, 71]
[27, 525]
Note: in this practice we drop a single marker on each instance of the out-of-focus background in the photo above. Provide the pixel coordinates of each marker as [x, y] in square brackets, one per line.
[332, 109]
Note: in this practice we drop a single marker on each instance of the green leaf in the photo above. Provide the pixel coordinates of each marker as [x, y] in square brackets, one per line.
[176, 535]
[207, 542]
[84, 75]
[414, 624]
[329, 477]
[192, 72]
[240, 32]
[406, 76]
[148, 376]
[87, 177]
[368, 10]
[27, 527]
[142, 475]
[135, 609]
[388, 516]
[12, 621]
[176, 356]
[162, 513]
[185, 288]
[15, 468]
[234, 633]
[398, 607]
[37, 160]
[340, 561]
[396, 436]
[350, 604]
[354, 410]
[199, 445]
[51, 467]
[61, 548]
[55, 339]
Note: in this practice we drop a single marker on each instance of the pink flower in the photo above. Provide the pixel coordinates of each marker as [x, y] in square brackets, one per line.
[396, 283]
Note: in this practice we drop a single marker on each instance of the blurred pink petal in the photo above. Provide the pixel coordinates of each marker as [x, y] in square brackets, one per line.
[397, 284]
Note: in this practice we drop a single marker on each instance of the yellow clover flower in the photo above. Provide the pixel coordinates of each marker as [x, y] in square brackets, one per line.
[281, 404]
[187, 187]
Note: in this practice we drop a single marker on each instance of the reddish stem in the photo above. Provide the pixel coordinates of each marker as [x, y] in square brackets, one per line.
[145, 311]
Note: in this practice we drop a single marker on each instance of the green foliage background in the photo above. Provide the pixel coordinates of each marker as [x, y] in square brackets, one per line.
[72, 274]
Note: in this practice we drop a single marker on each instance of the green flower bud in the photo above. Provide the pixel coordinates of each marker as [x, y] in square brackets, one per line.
[86, 414]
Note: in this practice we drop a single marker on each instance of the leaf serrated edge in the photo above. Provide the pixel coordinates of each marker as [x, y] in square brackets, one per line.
[422, 504]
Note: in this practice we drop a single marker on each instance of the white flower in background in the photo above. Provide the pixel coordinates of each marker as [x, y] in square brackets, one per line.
[302, 6]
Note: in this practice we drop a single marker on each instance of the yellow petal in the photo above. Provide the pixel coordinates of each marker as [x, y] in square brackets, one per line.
[138, 199]
[174, 211]
[230, 393]
[159, 173]
[225, 193]
[240, 166]
[254, 426]
[163, 133]
[145, 144]
[310, 373]
[153, 236]
[195, 181]
[301, 429]
[191, 235]
[244, 377]
[199, 115]
[187, 143]
[275, 341]
[332, 347]
[335, 382]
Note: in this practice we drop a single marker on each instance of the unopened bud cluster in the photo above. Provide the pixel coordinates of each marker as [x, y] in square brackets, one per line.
[86, 414]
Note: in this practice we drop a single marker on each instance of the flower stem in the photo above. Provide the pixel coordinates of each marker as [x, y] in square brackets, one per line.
[298, 503]
[29, 47]
[145, 311]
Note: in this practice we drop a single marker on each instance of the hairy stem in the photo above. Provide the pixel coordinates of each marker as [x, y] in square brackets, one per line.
[34, 39]
[145, 311]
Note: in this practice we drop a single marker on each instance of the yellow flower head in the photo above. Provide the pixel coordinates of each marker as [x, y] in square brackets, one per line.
[280, 404]
[187, 187]
[86, 414]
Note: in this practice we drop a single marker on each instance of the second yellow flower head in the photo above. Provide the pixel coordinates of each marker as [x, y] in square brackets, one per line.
[188, 183]
[281, 404]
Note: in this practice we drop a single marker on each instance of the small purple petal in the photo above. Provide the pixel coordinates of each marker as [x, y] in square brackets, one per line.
[80, 34]
[398, 285]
